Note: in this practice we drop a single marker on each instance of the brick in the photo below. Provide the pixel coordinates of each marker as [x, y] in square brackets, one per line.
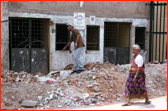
[8, 103]
[66, 68]
[26, 103]
[11, 79]
[31, 76]
[115, 90]
[49, 81]
[97, 73]
[91, 94]
[4, 80]
[90, 67]
[93, 89]
[35, 79]
[114, 96]
[72, 69]
[51, 108]
[105, 76]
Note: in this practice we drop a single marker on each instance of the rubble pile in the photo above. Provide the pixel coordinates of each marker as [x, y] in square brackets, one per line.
[99, 84]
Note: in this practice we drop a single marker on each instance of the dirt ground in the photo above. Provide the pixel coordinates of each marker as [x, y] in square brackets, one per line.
[104, 83]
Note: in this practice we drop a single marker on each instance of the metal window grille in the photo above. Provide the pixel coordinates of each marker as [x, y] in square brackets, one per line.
[39, 33]
[158, 31]
[93, 37]
[110, 35]
[62, 36]
[28, 33]
[116, 34]
[140, 36]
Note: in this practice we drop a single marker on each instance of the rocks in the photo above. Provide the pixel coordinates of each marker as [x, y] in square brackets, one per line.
[95, 84]
[96, 94]
[27, 103]
[13, 98]
[118, 99]
[155, 82]
[35, 79]
[85, 103]
[4, 80]
[59, 106]
[99, 85]
[40, 97]
[75, 99]
[114, 96]
[90, 86]
[11, 79]
[94, 100]
[64, 74]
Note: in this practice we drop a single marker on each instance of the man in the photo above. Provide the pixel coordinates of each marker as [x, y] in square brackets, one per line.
[78, 44]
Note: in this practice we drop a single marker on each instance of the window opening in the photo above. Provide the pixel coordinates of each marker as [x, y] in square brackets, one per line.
[140, 36]
[93, 37]
[62, 36]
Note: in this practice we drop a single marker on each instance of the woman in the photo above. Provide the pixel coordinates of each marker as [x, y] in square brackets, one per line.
[135, 85]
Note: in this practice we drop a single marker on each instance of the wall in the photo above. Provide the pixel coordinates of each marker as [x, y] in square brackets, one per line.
[121, 9]
[4, 37]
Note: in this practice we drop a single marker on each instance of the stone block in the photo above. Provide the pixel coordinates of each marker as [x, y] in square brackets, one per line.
[27, 103]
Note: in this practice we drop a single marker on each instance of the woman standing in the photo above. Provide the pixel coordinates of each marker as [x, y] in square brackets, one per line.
[135, 85]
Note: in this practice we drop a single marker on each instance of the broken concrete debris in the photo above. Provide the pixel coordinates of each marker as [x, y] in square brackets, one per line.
[8, 103]
[94, 100]
[27, 103]
[98, 85]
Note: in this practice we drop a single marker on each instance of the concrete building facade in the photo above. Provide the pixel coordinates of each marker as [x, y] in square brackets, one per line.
[133, 13]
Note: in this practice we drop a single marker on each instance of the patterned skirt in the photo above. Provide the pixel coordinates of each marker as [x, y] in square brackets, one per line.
[137, 90]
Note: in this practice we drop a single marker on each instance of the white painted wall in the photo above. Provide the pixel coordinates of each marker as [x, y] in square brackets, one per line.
[60, 59]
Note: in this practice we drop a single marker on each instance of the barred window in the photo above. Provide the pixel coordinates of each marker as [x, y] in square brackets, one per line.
[62, 36]
[28, 33]
[116, 34]
[140, 36]
[92, 37]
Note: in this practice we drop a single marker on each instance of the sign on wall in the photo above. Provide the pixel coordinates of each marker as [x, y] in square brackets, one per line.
[92, 19]
[79, 20]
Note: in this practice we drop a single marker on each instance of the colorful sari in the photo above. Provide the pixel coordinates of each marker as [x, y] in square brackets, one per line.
[137, 90]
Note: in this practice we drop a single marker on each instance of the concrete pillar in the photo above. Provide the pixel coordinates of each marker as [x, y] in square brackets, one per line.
[132, 40]
[4, 37]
